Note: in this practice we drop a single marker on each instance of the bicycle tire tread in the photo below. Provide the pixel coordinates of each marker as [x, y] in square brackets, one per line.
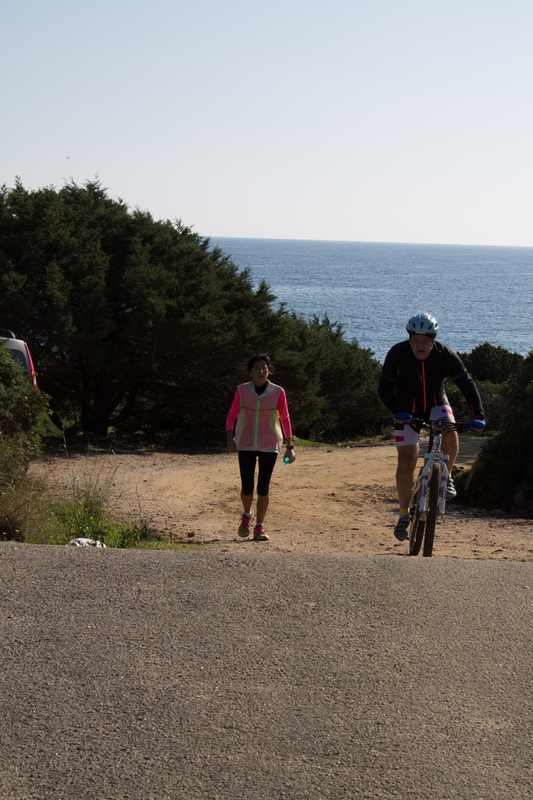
[433, 490]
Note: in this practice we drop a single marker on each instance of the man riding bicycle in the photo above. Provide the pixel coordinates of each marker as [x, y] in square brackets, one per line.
[412, 384]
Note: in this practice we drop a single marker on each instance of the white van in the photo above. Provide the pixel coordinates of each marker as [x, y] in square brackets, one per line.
[18, 350]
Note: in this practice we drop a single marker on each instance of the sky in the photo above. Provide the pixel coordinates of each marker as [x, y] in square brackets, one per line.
[377, 121]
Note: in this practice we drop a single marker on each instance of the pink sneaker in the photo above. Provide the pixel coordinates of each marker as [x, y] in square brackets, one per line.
[246, 525]
[259, 534]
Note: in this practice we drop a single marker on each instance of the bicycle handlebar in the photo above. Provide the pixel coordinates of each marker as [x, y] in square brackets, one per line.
[436, 424]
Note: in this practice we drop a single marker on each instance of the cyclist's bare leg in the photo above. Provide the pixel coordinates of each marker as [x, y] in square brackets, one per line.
[450, 445]
[405, 473]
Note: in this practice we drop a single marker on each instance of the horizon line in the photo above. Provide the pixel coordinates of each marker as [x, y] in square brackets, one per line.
[364, 241]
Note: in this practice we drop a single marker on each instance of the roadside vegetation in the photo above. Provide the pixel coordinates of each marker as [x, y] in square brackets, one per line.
[141, 328]
[503, 475]
[39, 512]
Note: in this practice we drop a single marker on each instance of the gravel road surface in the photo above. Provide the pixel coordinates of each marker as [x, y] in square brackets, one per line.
[263, 676]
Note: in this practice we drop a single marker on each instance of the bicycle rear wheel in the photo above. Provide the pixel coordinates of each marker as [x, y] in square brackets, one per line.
[433, 508]
[416, 526]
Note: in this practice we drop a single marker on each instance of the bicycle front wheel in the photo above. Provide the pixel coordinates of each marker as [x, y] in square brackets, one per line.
[433, 508]
[416, 527]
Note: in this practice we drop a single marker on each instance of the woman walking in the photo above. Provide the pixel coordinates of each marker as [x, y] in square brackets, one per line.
[260, 410]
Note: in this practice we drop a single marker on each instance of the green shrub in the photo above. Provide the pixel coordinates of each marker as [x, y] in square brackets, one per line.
[33, 513]
[491, 363]
[85, 513]
[21, 412]
[493, 396]
[504, 475]
[74, 519]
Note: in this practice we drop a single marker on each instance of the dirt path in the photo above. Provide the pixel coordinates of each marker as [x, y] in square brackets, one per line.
[330, 500]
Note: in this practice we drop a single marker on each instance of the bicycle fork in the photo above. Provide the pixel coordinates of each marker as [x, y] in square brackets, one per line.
[436, 456]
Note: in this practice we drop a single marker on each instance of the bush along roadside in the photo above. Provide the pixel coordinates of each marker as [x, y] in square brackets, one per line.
[37, 511]
[502, 478]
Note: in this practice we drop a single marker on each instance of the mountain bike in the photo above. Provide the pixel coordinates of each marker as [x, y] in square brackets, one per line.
[429, 494]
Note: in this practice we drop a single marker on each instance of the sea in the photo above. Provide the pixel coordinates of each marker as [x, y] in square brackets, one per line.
[478, 294]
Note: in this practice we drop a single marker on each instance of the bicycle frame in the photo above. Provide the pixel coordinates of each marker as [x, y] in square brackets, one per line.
[428, 500]
[433, 456]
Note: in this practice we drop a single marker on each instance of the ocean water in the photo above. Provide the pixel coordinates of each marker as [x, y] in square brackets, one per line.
[477, 294]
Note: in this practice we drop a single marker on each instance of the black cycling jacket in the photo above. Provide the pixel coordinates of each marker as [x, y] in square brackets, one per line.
[413, 385]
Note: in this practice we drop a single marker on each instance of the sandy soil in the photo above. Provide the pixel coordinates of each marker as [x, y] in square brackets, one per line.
[334, 500]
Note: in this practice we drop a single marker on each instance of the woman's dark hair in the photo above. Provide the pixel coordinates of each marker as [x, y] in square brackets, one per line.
[261, 357]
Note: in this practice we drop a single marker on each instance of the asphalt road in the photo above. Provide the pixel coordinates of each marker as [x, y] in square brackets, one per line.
[149, 675]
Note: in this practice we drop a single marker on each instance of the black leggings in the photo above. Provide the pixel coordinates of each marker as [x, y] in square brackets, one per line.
[247, 459]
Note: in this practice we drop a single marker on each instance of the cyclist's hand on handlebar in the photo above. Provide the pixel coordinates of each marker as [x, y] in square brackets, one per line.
[476, 424]
[403, 417]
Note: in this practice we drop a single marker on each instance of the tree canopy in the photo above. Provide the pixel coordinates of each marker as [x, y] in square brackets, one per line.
[488, 362]
[139, 324]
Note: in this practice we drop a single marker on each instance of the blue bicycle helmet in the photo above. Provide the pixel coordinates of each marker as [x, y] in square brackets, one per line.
[424, 324]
